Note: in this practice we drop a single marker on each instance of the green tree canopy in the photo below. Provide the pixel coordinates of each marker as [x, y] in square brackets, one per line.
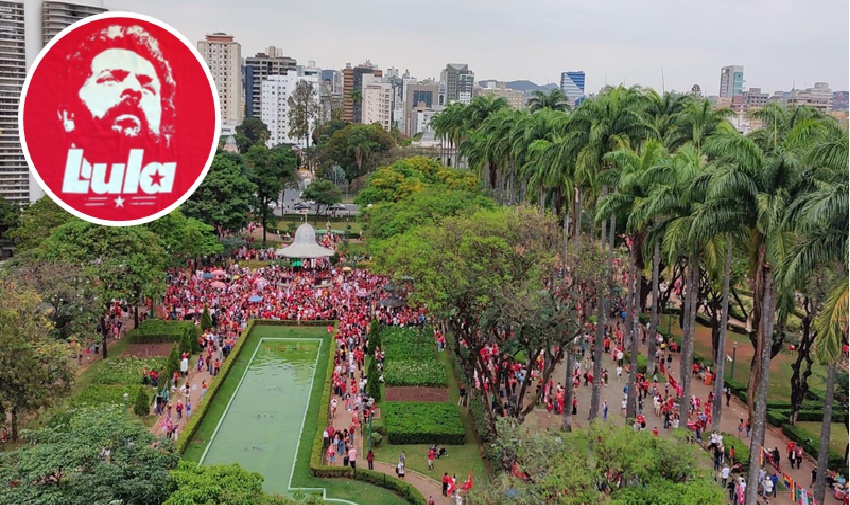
[67, 462]
[185, 237]
[407, 176]
[356, 148]
[10, 217]
[251, 131]
[323, 192]
[224, 199]
[37, 223]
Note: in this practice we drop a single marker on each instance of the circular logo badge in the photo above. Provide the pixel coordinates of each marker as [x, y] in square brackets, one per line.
[119, 119]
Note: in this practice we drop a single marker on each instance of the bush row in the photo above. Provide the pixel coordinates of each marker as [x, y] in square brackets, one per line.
[811, 444]
[411, 358]
[112, 394]
[157, 331]
[274, 322]
[423, 423]
[126, 371]
[780, 417]
[742, 449]
[198, 416]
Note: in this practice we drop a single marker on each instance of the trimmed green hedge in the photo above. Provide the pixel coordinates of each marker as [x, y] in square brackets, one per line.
[402, 488]
[780, 417]
[275, 322]
[423, 423]
[411, 358]
[157, 331]
[742, 449]
[811, 444]
[641, 367]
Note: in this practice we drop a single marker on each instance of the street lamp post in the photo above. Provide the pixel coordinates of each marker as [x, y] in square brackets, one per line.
[734, 348]
[126, 401]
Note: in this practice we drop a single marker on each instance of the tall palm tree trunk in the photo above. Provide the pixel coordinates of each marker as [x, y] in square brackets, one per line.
[759, 417]
[630, 334]
[720, 360]
[653, 323]
[568, 383]
[601, 319]
[687, 359]
[823, 446]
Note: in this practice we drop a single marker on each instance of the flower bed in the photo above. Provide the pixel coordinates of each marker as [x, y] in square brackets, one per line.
[411, 359]
[423, 423]
[110, 394]
[127, 370]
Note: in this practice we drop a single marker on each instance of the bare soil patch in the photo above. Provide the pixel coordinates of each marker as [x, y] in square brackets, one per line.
[416, 394]
[147, 351]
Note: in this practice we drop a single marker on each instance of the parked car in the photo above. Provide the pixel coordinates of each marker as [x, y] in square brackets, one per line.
[338, 207]
[300, 207]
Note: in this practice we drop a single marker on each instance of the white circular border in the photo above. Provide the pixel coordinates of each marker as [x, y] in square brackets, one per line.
[214, 91]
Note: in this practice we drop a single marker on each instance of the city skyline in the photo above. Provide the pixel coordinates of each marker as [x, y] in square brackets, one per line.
[667, 42]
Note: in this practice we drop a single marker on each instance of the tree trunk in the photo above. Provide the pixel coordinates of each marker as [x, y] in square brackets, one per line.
[685, 300]
[631, 335]
[759, 418]
[596, 391]
[566, 230]
[800, 381]
[823, 447]
[720, 361]
[687, 359]
[653, 322]
[568, 383]
[14, 424]
[578, 211]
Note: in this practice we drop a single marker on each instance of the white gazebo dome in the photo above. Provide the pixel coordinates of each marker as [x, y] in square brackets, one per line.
[304, 246]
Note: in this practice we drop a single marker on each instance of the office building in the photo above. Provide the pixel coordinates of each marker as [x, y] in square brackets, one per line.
[498, 89]
[276, 90]
[754, 97]
[731, 81]
[352, 89]
[377, 101]
[459, 81]
[25, 28]
[224, 59]
[572, 84]
[819, 97]
[270, 62]
[419, 96]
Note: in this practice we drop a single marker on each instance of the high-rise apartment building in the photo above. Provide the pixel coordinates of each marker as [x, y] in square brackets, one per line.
[276, 90]
[572, 84]
[26, 26]
[257, 68]
[377, 101]
[352, 90]
[460, 81]
[224, 59]
[731, 81]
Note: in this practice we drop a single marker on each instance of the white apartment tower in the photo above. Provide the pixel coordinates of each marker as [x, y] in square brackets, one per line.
[26, 26]
[377, 95]
[275, 106]
[224, 58]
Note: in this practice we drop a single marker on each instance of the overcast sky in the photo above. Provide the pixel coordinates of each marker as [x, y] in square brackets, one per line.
[779, 42]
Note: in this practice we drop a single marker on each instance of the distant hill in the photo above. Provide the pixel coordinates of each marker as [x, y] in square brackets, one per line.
[528, 86]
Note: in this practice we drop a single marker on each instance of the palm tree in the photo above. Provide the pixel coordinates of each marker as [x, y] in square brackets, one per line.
[762, 171]
[555, 99]
[820, 218]
[628, 176]
[664, 109]
[449, 126]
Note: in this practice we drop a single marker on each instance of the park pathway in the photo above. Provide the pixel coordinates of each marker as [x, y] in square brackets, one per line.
[195, 380]
[730, 417]
[426, 485]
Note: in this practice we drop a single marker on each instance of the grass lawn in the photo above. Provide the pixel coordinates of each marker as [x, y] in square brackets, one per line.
[779, 387]
[459, 460]
[837, 435]
[361, 493]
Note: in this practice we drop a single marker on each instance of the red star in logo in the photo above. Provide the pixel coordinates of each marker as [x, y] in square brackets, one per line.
[156, 178]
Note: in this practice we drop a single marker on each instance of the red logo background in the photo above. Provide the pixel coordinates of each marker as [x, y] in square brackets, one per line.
[196, 124]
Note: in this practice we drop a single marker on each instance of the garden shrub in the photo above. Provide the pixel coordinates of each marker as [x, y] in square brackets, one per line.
[108, 394]
[126, 370]
[374, 337]
[742, 449]
[411, 358]
[142, 407]
[811, 443]
[373, 385]
[423, 423]
[479, 419]
[378, 426]
[377, 439]
[157, 331]
[206, 319]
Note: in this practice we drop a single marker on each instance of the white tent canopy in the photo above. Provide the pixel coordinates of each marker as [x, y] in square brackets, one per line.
[304, 246]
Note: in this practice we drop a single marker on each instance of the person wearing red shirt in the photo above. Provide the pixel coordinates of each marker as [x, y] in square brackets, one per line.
[655, 431]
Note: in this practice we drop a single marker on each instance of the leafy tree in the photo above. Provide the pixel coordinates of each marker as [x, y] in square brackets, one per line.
[67, 462]
[303, 110]
[224, 199]
[185, 237]
[121, 263]
[407, 176]
[252, 131]
[267, 170]
[323, 192]
[34, 367]
[37, 223]
[617, 466]
[356, 147]
[425, 208]
[10, 217]
[322, 133]
[142, 407]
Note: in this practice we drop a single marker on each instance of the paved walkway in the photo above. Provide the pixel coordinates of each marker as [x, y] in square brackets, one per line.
[426, 485]
[730, 417]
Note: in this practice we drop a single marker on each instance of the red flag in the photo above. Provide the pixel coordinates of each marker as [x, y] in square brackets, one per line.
[451, 489]
[468, 484]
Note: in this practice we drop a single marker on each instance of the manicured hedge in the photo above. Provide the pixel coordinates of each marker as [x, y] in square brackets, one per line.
[423, 423]
[411, 358]
[780, 417]
[157, 331]
[287, 322]
[811, 442]
[742, 449]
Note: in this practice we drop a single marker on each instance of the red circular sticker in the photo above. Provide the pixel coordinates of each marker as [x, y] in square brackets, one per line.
[119, 119]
